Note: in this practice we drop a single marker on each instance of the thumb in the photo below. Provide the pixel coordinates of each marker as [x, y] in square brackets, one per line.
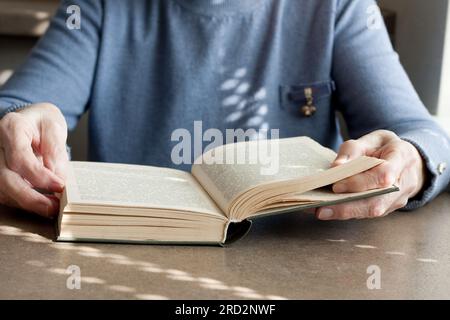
[367, 145]
[349, 151]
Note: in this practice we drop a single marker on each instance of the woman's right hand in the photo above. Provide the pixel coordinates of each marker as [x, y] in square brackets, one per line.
[33, 157]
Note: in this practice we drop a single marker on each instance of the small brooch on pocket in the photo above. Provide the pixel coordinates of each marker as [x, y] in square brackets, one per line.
[306, 99]
[308, 109]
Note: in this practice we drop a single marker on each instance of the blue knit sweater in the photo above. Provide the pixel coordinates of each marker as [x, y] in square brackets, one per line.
[144, 68]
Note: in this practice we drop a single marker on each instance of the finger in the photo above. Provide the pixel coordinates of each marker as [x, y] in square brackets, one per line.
[53, 148]
[17, 142]
[368, 208]
[379, 138]
[400, 203]
[22, 194]
[7, 201]
[406, 184]
[382, 176]
[364, 146]
[350, 150]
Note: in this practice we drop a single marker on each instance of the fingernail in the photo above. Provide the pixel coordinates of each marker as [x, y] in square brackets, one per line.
[326, 214]
[53, 210]
[341, 159]
[56, 186]
[340, 188]
[50, 212]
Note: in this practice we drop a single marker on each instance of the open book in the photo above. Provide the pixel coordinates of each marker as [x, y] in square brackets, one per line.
[214, 204]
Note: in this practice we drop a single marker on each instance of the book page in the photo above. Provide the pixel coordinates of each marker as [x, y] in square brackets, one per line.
[316, 198]
[265, 161]
[110, 184]
[324, 194]
[327, 195]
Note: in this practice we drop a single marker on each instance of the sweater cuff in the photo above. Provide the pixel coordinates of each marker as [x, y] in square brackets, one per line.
[7, 107]
[434, 147]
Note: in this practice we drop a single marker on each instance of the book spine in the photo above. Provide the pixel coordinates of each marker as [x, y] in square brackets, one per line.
[235, 231]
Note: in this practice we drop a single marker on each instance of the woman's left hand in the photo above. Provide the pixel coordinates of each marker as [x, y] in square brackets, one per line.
[403, 167]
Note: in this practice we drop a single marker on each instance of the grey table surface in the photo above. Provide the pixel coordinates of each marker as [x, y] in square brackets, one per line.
[290, 256]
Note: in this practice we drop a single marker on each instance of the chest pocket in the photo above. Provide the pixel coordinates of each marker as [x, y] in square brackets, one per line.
[305, 100]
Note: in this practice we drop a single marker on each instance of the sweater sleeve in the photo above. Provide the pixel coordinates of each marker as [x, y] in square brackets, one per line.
[61, 68]
[374, 92]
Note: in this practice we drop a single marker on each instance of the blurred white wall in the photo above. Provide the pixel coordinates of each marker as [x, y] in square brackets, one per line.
[420, 37]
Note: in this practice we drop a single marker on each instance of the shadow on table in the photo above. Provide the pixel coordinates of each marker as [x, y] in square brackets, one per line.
[28, 222]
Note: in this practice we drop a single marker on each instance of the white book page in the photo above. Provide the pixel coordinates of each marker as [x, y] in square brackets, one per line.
[297, 157]
[106, 184]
